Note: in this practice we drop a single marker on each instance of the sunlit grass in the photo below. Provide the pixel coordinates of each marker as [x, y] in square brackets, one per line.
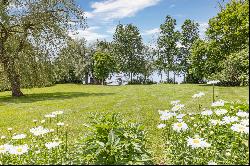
[138, 103]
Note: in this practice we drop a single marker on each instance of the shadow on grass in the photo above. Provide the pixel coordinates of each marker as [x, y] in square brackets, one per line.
[29, 98]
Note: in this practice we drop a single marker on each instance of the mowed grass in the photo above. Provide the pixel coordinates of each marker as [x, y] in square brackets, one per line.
[136, 103]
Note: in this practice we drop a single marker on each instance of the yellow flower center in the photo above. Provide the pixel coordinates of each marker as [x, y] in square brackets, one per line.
[179, 124]
[196, 141]
[241, 128]
[19, 149]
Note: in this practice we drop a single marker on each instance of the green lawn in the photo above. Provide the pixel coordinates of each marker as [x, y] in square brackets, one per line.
[135, 102]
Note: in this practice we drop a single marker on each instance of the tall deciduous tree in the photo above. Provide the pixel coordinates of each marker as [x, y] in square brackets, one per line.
[189, 34]
[167, 44]
[38, 22]
[128, 47]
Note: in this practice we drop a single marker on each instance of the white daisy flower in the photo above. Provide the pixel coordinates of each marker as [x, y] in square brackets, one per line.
[197, 143]
[218, 103]
[60, 124]
[230, 119]
[213, 82]
[50, 116]
[19, 136]
[19, 150]
[43, 121]
[37, 131]
[198, 95]
[240, 128]
[242, 114]
[3, 137]
[220, 111]
[161, 126]
[10, 129]
[175, 102]
[35, 120]
[178, 107]
[167, 115]
[244, 122]
[180, 126]
[207, 112]
[51, 145]
[163, 112]
[180, 116]
[3, 149]
[57, 113]
[211, 163]
[215, 122]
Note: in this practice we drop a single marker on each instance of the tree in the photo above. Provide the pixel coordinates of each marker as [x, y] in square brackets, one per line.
[189, 34]
[71, 64]
[128, 48]
[19, 25]
[230, 28]
[167, 44]
[103, 65]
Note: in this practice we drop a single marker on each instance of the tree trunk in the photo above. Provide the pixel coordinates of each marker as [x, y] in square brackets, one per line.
[131, 77]
[14, 78]
[174, 77]
[86, 77]
[184, 79]
[168, 76]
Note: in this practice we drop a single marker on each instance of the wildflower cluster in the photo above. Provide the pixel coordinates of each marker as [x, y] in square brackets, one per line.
[218, 135]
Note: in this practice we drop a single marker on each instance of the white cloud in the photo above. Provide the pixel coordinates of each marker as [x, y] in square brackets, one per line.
[151, 31]
[117, 9]
[89, 34]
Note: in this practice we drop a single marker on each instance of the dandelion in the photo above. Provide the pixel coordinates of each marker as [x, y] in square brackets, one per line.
[60, 124]
[197, 143]
[198, 95]
[211, 163]
[207, 112]
[180, 126]
[220, 111]
[178, 107]
[242, 114]
[161, 126]
[218, 103]
[39, 131]
[51, 145]
[175, 102]
[19, 136]
[19, 150]
[240, 128]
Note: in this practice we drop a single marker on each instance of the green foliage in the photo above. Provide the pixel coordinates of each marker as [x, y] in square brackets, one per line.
[189, 34]
[230, 28]
[128, 48]
[236, 69]
[167, 45]
[114, 141]
[103, 65]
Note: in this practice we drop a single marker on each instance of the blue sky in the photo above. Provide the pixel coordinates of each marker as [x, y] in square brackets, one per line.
[147, 15]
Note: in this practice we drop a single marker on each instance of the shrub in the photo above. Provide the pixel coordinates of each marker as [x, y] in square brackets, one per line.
[113, 141]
